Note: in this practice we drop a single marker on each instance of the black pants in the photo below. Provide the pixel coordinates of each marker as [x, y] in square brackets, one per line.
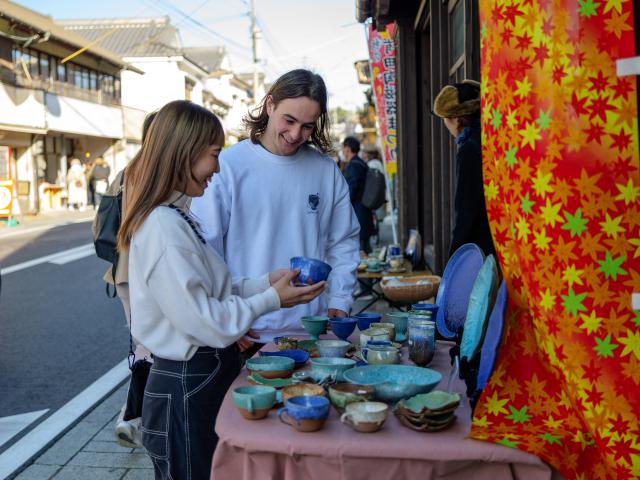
[181, 402]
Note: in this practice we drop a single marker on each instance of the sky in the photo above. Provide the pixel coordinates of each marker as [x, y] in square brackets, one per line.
[321, 35]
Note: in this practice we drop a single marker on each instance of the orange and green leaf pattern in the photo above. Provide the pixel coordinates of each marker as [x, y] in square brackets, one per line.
[562, 185]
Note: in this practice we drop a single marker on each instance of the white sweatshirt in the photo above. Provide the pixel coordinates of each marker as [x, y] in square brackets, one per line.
[262, 209]
[181, 290]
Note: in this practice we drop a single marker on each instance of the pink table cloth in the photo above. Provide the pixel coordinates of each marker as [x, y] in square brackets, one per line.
[269, 449]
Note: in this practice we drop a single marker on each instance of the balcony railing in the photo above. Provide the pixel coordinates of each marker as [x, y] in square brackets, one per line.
[18, 77]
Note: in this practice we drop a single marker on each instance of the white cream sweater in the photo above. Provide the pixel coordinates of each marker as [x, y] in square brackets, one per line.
[182, 296]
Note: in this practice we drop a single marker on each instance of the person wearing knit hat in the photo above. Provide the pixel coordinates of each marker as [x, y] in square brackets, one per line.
[459, 107]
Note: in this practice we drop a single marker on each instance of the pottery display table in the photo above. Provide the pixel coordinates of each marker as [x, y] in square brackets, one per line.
[369, 281]
[269, 449]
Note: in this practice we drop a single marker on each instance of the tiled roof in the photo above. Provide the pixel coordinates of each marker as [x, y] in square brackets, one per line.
[45, 23]
[130, 37]
[208, 58]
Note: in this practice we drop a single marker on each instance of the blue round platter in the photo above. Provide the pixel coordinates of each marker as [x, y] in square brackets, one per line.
[481, 296]
[492, 338]
[455, 288]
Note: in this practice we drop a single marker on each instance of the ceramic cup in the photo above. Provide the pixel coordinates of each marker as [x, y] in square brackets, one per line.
[395, 262]
[333, 348]
[422, 342]
[400, 320]
[389, 326]
[254, 401]
[374, 334]
[381, 355]
[365, 417]
[305, 414]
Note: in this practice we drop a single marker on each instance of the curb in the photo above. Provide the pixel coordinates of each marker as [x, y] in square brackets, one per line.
[22, 453]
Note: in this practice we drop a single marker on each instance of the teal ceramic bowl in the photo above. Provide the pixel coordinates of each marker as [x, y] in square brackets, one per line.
[330, 366]
[394, 382]
[333, 348]
[271, 367]
[315, 325]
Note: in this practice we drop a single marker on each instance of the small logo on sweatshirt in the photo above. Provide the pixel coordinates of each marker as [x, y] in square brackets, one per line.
[313, 201]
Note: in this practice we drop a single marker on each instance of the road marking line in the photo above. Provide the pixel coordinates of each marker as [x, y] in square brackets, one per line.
[14, 424]
[76, 255]
[34, 442]
[47, 258]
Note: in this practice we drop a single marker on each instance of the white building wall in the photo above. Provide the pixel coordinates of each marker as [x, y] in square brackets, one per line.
[161, 83]
[22, 107]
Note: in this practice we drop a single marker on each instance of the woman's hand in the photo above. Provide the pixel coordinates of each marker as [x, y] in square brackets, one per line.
[277, 275]
[247, 341]
[290, 295]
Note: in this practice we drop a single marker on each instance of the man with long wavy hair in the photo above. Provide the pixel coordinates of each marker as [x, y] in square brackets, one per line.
[279, 195]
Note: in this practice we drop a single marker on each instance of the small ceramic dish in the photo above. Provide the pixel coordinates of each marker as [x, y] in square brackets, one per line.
[302, 390]
[333, 348]
[271, 367]
[257, 379]
[299, 356]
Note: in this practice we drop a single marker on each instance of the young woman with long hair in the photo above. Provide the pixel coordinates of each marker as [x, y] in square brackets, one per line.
[184, 306]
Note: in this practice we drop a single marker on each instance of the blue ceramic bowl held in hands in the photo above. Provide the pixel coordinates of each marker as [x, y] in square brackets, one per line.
[311, 270]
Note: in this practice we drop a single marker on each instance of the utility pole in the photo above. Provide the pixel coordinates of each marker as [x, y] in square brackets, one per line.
[254, 44]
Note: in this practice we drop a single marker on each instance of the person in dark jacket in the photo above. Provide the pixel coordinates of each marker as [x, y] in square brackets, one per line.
[459, 106]
[356, 175]
[99, 179]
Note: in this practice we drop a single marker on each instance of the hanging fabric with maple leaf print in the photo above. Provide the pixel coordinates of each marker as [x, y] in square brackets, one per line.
[562, 187]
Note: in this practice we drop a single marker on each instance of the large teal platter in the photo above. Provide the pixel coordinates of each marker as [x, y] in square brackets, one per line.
[480, 300]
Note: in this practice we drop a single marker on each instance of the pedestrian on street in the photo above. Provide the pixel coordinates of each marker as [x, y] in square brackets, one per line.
[76, 186]
[459, 107]
[280, 195]
[127, 431]
[185, 307]
[356, 176]
[99, 179]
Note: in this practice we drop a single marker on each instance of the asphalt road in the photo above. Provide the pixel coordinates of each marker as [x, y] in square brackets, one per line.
[58, 330]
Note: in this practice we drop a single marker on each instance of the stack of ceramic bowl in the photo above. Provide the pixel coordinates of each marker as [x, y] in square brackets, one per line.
[428, 412]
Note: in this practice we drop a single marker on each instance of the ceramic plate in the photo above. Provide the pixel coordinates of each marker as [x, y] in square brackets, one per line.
[432, 401]
[455, 288]
[270, 382]
[492, 338]
[478, 311]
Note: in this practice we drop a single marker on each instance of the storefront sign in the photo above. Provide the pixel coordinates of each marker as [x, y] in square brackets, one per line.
[383, 78]
[6, 195]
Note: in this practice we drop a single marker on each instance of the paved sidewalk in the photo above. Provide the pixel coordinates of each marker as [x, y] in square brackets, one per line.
[89, 450]
[43, 220]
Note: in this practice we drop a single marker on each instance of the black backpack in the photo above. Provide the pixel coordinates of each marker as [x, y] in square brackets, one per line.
[373, 196]
[105, 228]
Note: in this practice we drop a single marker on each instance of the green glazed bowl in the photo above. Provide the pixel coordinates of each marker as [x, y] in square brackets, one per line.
[315, 325]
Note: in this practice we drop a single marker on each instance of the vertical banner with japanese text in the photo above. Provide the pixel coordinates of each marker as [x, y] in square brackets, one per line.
[383, 78]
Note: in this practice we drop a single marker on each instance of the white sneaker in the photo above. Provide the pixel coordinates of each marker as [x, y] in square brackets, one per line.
[128, 433]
